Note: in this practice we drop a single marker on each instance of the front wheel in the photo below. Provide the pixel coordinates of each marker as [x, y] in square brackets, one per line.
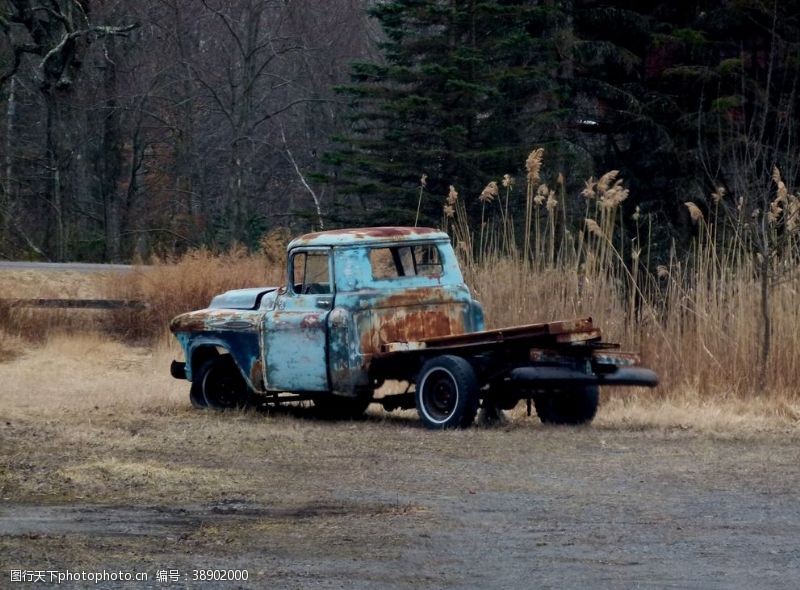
[447, 393]
[196, 396]
[570, 407]
[222, 384]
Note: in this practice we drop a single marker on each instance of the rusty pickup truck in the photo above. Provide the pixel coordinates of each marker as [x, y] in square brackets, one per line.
[365, 306]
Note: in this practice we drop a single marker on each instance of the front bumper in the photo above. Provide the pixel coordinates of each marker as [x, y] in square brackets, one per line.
[178, 370]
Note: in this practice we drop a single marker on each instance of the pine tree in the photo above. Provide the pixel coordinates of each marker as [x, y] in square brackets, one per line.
[674, 88]
[463, 88]
[660, 91]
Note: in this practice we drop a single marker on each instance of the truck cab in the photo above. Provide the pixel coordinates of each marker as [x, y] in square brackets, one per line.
[349, 292]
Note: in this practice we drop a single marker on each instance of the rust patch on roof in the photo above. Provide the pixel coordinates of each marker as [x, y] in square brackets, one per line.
[344, 237]
[374, 232]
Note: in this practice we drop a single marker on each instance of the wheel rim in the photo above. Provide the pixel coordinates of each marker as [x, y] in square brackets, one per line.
[438, 395]
[222, 389]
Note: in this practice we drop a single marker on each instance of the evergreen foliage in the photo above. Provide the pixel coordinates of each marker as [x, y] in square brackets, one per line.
[664, 92]
[461, 85]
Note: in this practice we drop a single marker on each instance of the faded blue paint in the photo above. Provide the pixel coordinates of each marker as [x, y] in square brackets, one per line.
[325, 342]
[354, 270]
[242, 346]
[476, 320]
[344, 356]
[294, 334]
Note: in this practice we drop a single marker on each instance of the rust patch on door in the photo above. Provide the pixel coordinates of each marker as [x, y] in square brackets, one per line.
[409, 326]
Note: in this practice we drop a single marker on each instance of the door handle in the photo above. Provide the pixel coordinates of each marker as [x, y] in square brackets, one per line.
[324, 302]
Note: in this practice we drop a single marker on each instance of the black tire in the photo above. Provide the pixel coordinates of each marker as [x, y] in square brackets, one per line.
[334, 407]
[447, 393]
[196, 395]
[222, 384]
[571, 407]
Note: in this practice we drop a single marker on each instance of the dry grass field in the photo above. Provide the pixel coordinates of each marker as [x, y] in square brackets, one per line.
[104, 464]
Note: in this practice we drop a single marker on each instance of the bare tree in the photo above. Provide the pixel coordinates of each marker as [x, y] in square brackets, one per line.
[203, 128]
[58, 33]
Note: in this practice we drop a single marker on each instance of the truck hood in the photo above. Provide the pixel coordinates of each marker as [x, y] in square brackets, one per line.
[240, 298]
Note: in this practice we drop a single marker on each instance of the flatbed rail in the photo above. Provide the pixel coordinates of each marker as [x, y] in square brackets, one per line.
[548, 334]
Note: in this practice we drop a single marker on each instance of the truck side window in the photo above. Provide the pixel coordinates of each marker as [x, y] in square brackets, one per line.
[390, 263]
[383, 266]
[310, 273]
[405, 261]
[427, 261]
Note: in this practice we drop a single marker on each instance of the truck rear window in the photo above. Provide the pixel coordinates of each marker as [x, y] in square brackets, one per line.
[406, 261]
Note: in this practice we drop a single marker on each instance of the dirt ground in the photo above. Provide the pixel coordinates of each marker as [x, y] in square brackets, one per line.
[104, 466]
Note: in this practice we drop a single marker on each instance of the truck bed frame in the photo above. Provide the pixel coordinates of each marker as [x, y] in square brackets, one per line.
[523, 359]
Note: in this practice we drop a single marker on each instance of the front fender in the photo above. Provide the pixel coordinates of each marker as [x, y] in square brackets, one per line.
[242, 346]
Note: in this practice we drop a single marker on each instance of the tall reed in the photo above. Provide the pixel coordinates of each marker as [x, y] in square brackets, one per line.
[695, 318]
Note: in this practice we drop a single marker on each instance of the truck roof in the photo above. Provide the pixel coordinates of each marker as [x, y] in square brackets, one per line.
[366, 235]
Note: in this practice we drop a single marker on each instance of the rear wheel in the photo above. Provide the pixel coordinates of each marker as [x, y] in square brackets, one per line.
[570, 407]
[222, 384]
[447, 393]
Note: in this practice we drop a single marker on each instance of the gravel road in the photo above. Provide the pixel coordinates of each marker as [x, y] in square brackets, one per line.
[64, 266]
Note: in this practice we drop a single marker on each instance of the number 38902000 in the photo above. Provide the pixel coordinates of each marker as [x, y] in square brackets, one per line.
[202, 575]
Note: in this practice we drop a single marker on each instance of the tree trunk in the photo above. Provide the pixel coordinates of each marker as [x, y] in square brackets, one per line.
[188, 191]
[132, 190]
[241, 150]
[55, 140]
[7, 203]
[111, 156]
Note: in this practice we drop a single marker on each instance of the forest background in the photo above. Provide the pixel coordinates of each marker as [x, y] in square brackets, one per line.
[133, 128]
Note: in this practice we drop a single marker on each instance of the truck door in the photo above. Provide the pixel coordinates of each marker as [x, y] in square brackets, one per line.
[295, 332]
